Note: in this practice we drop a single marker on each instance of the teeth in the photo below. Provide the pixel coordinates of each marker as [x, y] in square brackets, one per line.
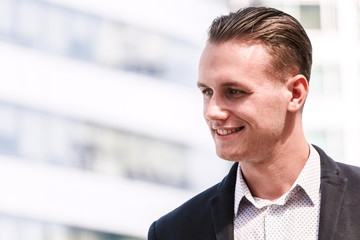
[227, 132]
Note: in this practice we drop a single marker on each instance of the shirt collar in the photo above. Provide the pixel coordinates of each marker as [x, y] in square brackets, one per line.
[308, 180]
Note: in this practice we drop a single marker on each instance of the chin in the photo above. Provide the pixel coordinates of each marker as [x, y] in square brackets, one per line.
[232, 157]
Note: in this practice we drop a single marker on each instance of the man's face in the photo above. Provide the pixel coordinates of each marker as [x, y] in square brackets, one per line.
[244, 107]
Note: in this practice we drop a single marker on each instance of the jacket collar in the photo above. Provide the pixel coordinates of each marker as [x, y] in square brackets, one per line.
[332, 194]
[222, 207]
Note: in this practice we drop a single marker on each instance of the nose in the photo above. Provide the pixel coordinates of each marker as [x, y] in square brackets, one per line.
[215, 109]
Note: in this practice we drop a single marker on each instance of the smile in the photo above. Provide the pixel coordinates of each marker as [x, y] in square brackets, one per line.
[227, 132]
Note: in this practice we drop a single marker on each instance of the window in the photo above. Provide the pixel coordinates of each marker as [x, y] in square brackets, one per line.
[13, 228]
[329, 17]
[8, 129]
[331, 141]
[5, 16]
[310, 16]
[325, 79]
[37, 136]
[75, 34]
[81, 35]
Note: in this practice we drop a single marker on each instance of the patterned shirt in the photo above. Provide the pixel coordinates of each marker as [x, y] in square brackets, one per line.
[295, 215]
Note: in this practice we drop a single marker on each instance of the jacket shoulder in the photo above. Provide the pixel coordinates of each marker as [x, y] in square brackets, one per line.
[197, 206]
[349, 171]
[191, 220]
[352, 176]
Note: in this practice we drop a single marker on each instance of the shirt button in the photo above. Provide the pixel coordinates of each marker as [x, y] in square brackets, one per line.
[274, 206]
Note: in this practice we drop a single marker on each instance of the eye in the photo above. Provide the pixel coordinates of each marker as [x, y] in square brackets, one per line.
[235, 91]
[207, 91]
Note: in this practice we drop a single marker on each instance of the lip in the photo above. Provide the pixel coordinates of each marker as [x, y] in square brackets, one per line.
[228, 131]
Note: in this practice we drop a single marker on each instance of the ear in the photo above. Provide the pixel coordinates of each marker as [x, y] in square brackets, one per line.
[298, 86]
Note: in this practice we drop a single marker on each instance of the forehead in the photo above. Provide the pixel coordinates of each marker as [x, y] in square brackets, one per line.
[234, 61]
[236, 49]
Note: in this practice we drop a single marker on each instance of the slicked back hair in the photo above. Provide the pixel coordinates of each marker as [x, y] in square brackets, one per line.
[282, 35]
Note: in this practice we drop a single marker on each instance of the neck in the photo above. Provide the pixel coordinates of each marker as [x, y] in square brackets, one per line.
[273, 177]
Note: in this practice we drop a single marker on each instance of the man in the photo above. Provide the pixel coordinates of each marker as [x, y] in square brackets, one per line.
[254, 74]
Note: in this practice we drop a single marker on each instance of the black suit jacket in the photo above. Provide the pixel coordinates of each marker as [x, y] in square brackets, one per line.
[210, 214]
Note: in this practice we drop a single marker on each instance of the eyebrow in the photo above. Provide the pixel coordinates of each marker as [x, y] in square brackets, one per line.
[226, 84]
[201, 85]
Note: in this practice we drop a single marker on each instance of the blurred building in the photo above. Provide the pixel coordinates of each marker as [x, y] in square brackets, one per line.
[101, 128]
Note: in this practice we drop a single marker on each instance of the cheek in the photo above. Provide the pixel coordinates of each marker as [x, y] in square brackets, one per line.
[265, 113]
[274, 114]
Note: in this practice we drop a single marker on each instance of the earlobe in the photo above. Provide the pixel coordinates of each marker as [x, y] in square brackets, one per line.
[298, 86]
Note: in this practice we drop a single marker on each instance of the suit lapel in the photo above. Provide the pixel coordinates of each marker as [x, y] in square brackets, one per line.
[222, 207]
[332, 194]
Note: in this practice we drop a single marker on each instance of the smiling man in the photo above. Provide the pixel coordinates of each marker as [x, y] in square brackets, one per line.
[254, 74]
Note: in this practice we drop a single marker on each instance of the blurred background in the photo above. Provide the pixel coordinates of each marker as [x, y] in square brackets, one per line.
[101, 128]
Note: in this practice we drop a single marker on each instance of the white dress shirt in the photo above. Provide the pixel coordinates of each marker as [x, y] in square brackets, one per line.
[295, 215]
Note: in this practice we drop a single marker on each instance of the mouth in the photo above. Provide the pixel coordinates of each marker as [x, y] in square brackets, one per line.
[229, 131]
